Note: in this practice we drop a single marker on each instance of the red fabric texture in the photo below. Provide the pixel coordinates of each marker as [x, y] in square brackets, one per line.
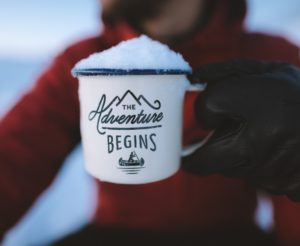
[287, 218]
[43, 127]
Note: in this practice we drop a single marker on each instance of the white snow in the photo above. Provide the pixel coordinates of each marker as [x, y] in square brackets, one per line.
[138, 53]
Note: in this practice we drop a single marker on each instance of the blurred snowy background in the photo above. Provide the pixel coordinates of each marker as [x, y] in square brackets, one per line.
[32, 32]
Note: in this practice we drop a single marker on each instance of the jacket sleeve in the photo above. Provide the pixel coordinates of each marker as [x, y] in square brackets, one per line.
[35, 137]
[287, 212]
[287, 221]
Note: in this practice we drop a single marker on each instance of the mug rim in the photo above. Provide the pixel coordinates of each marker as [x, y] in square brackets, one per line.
[116, 72]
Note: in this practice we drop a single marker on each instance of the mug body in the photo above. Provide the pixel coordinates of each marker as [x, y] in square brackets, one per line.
[131, 125]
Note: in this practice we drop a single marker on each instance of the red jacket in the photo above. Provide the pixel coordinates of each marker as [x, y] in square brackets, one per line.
[43, 127]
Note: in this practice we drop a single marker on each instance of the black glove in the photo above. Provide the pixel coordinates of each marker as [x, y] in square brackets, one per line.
[254, 108]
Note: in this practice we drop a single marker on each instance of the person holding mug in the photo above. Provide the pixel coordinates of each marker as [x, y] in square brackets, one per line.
[251, 106]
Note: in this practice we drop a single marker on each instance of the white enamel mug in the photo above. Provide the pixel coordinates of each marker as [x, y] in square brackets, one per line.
[131, 123]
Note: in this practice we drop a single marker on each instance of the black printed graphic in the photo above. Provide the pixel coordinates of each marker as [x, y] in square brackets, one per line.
[132, 165]
[119, 142]
[129, 123]
[105, 116]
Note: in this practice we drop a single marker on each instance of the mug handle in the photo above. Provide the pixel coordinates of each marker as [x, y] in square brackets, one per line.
[190, 149]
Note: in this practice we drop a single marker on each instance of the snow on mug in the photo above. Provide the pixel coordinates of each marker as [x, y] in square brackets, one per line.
[131, 118]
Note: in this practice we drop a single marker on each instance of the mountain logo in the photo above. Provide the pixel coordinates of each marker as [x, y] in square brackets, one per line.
[156, 105]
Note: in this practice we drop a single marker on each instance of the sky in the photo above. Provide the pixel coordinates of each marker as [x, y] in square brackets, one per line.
[35, 29]
[275, 16]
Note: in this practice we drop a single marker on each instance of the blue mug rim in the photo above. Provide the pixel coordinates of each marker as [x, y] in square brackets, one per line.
[116, 72]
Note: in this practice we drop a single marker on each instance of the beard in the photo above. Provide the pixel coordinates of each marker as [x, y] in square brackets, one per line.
[131, 11]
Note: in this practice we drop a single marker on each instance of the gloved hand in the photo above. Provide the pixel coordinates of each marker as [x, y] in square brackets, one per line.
[254, 109]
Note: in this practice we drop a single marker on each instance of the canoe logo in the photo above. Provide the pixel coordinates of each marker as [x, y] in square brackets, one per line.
[132, 165]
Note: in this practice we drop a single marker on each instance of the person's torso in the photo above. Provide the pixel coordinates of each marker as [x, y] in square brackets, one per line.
[184, 200]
